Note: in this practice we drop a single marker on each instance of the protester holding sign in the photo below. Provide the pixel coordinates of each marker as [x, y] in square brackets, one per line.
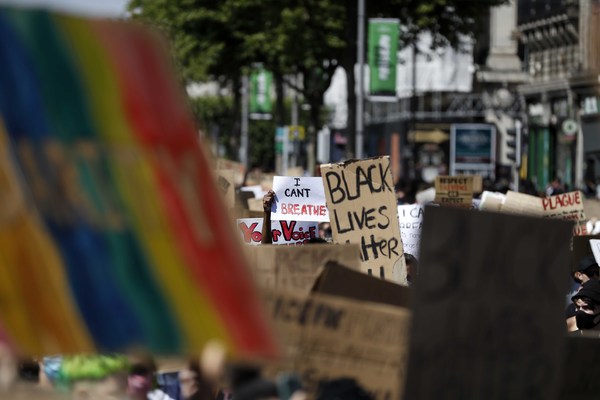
[267, 204]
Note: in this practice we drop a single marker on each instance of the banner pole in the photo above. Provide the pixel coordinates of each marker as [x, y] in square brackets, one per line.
[360, 57]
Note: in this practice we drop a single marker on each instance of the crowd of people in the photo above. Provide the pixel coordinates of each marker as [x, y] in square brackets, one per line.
[210, 377]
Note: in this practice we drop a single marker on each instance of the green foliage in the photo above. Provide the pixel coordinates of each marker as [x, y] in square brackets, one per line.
[215, 114]
[220, 40]
[91, 367]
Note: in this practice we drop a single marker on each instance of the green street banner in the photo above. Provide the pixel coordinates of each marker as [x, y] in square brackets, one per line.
[261, 82]
[383, 57]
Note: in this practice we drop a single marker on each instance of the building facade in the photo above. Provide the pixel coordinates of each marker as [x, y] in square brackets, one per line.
[560, 56]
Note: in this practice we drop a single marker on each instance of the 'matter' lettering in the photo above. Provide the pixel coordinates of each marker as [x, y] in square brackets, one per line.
[372, 248]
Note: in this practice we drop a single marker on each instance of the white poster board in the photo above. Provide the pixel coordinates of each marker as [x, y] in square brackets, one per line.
[411, 223]
[299, 199]
[595, 245]
[282, 232]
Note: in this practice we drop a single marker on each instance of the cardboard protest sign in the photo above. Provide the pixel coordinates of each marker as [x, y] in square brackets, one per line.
[521, 203]
[327, 337]
[225, 183]
[295, 171]
[282, 232]
[297, 268]
[455, 191]
[411, 223]
[338, 280]
[488, 307]
[567, 206]
[491, 201]
[581, 367]
[257, 190]
[299, 199]
[362, 206]
[239, 171]
[255, 205]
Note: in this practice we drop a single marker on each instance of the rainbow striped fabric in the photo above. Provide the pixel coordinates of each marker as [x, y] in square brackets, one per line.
[112, 232]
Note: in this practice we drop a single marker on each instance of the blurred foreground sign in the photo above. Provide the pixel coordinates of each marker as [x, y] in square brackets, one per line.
[488, 307]
[581, 368]
[362, 206]
[298, 267]
[328, 337]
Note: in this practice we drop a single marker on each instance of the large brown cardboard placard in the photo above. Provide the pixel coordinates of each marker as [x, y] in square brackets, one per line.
[488, 308]
[239, 171]
[298, 267]
[362, 209]
[567, 206]
[581, 367]
[454, 191]
[326, 337]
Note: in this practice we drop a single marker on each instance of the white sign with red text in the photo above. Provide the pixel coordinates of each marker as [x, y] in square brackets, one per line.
[283, 232]
[411, 224]
[299, 199]
[568, 206]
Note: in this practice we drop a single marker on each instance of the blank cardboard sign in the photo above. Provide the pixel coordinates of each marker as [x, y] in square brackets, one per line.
[298, 267]
[488, 316]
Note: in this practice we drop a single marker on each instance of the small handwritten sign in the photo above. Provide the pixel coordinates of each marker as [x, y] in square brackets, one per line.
[455, 191]
[299, 199]
[411, 223]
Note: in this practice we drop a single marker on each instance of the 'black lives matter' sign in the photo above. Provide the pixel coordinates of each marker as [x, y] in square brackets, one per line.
[362, 209]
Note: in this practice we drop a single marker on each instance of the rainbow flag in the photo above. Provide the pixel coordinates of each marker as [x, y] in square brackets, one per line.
[112, 231]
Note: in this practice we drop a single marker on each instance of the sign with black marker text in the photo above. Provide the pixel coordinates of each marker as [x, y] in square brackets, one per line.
[362, 205]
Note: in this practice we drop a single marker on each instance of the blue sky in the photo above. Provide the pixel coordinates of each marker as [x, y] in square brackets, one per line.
[100, 8]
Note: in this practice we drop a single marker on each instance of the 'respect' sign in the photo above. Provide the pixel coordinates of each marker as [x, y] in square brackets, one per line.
[456, 191]
[282, 232]
[299, 199]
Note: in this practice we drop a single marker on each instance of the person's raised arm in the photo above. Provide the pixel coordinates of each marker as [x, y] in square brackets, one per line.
[266, 230]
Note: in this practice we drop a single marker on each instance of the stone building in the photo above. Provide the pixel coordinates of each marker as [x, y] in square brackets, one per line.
[561, 57]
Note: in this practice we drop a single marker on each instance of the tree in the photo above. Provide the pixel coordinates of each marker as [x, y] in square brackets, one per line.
[221, 39]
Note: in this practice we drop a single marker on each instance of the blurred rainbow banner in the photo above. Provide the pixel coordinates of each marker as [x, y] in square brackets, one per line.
[112, 231]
